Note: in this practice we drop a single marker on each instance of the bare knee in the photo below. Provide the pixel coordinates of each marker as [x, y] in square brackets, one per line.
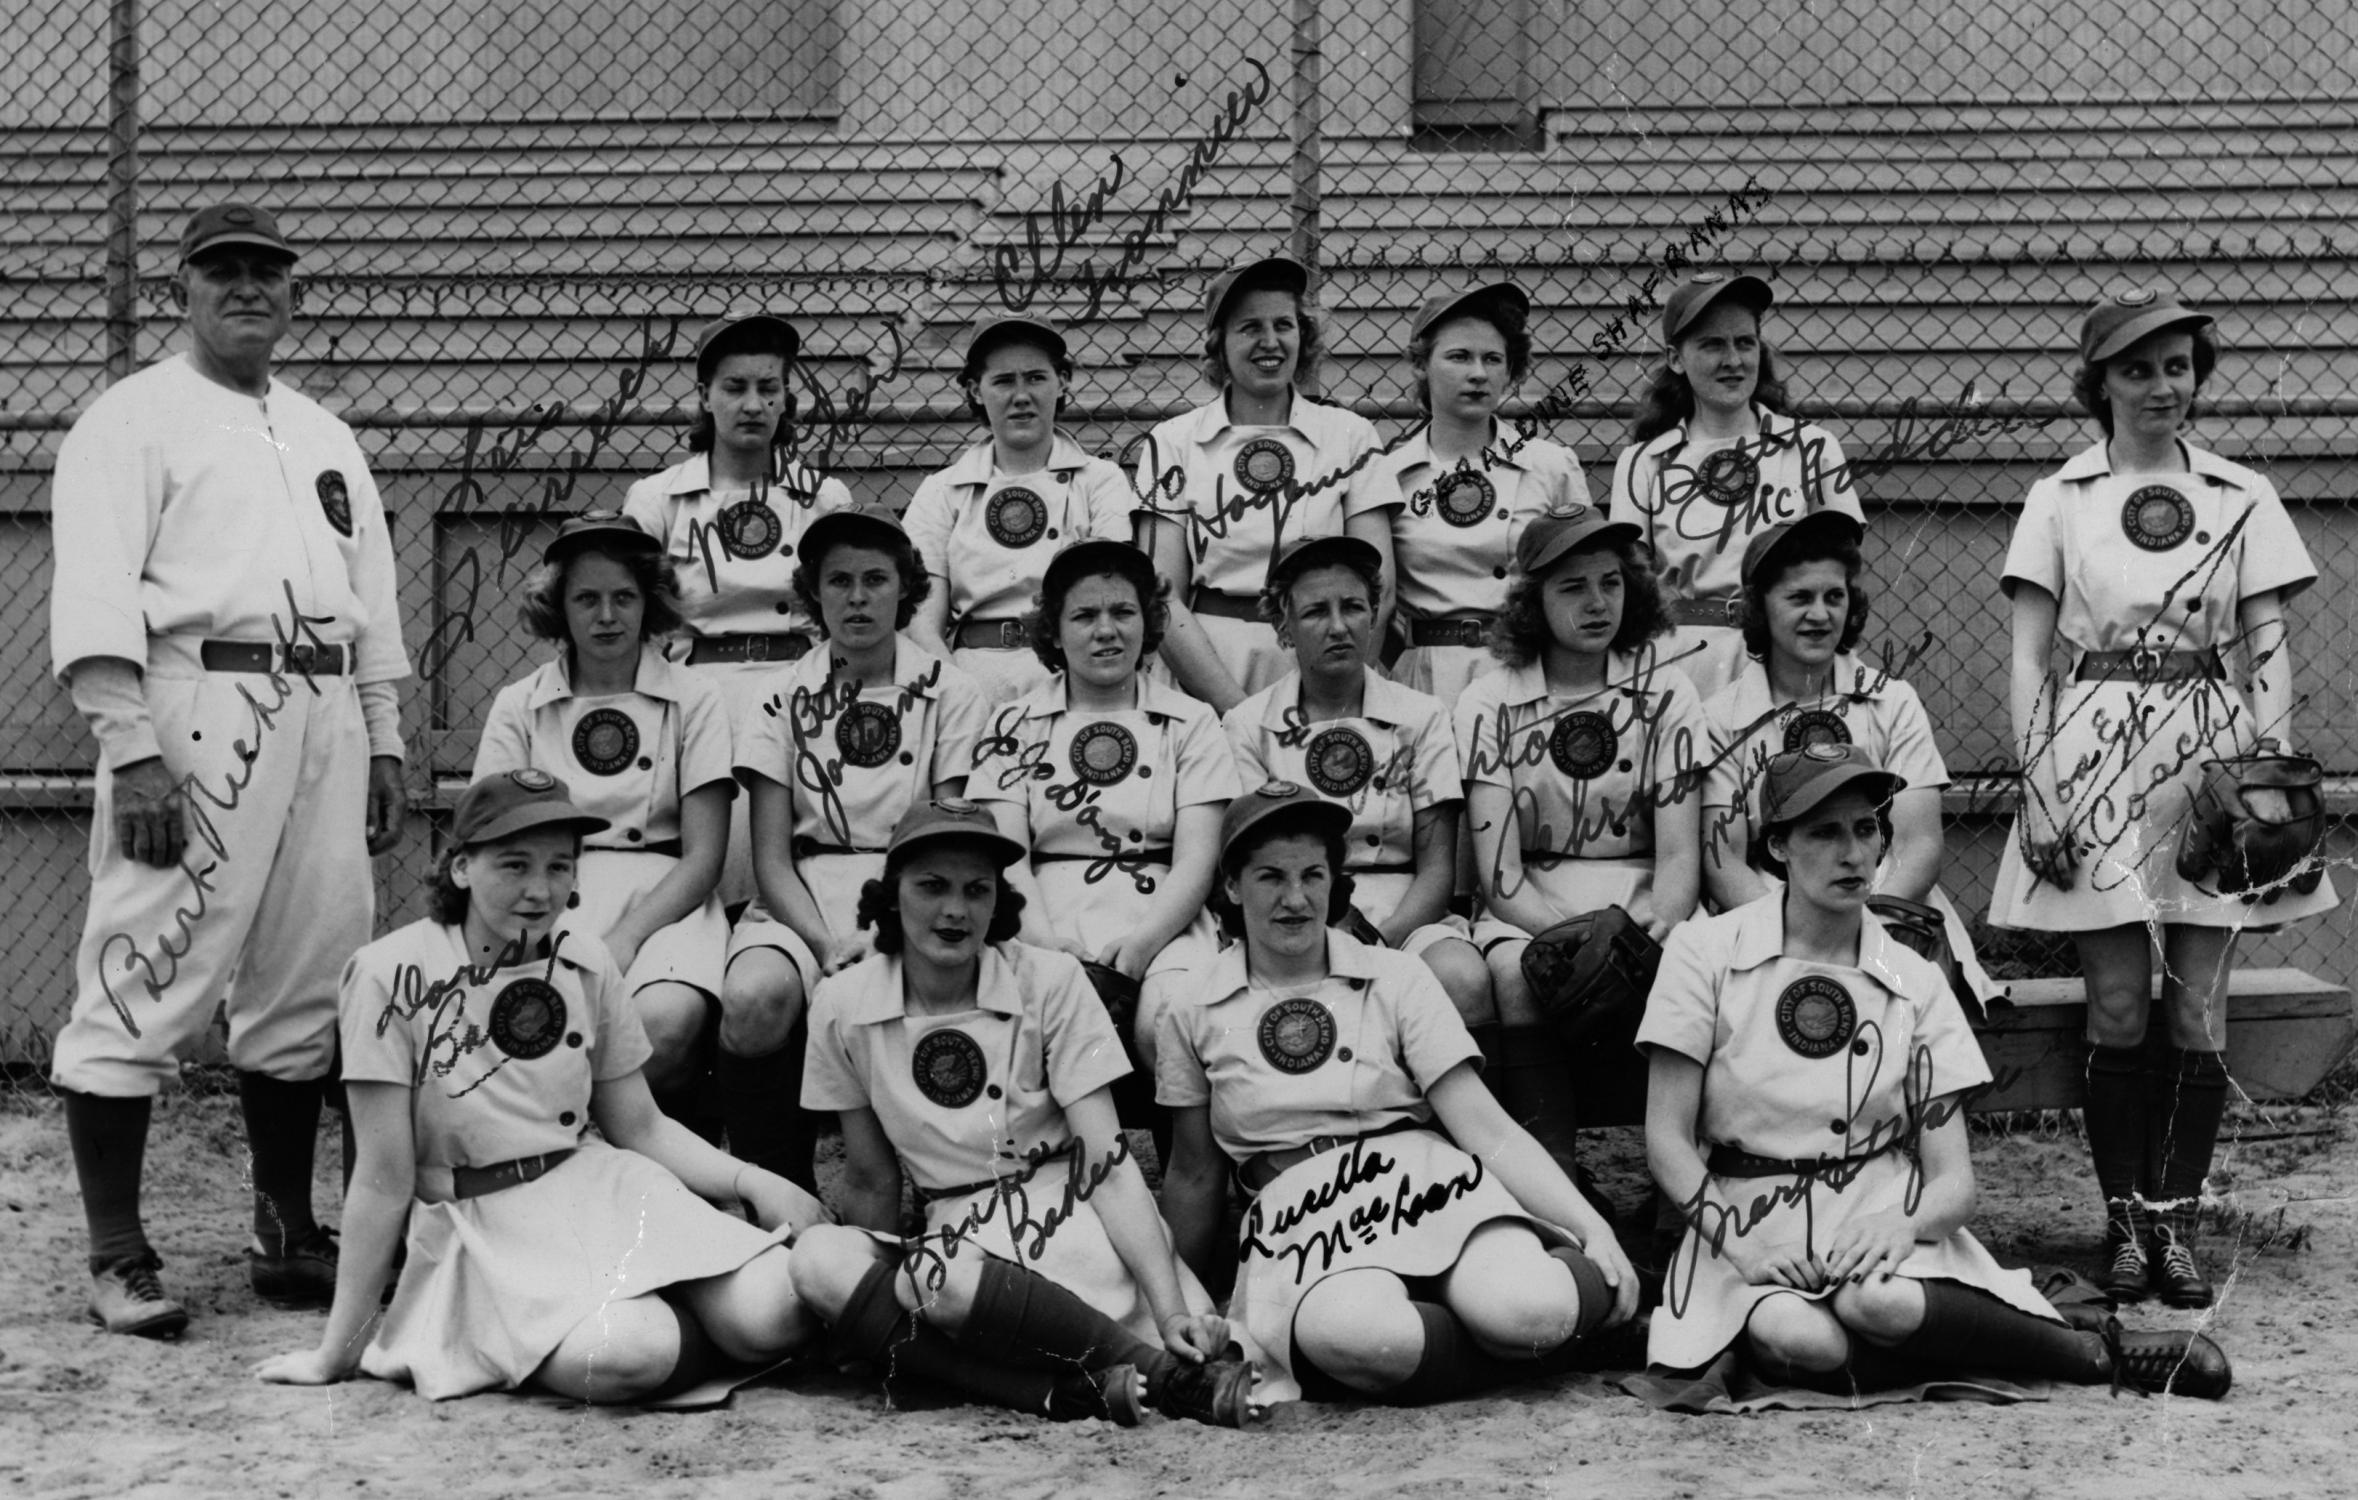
[754, 1312]
[2118, 965]
[761, 1003]
[1465, 978]
[1882, 1309]
[1508, 988]
[828, 1264]
[1360, 1328]
[1789, 1336]
[673, 1015]
[622, 1352]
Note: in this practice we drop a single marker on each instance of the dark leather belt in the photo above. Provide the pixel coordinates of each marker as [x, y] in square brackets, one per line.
[1126, 856]
[1033, 1163]
[1465, 630]
[789, 645]
[1734, 1161]
[303, 658]
[1224, 605]
[805, 848]
[1381, 869]
[2144, 665]
[1257, 1172]
[992, 635]
[1703, 611]
[474, 1182]
[660, 846]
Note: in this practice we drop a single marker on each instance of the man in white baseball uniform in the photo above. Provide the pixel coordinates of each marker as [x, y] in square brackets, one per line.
[224, 616]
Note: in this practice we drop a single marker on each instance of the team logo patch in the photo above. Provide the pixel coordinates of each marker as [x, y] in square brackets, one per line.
[2157, 518]
[527, 1019]
[750, 529]
[1264, 465]
[948, 1068]
[1815, 726]
[1583, 745]
[533, 779]
[605, 741]
[868, 734]
[1815, 1016]
[1465, 498]
[1340, 762]
[1729, 477]
[336, 499]
[1103, 754]
[1297, 1035]
[1015, 517]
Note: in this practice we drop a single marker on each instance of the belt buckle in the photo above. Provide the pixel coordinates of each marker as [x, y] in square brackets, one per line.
[2147, 662]
[757, 648]
[302, 656]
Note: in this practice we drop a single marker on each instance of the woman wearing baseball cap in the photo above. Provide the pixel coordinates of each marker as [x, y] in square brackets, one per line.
[479, 1045]
[2148, 558]
[1042, 1280]
[730, 516]
[1378, 1257]
[1225, 487]
[1713, 459]
[987, 525]
[1443, 509]
[1805, 1110]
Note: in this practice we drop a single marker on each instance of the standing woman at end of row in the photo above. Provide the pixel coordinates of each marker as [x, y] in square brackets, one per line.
[2150, 559]
[987, 525]
[1444, 508]
[1713, 460]
[1229, 484]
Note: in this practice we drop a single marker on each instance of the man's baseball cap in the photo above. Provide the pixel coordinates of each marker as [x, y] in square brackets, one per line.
[1830, 524]
[1797, 781]
[225, 224]
[2127, 317]
[948, 818]
[1575, 526]
[1277, 273]
[599, 531]
[507, 803]
[872, 525]
[1700, 291]
[1003, 331]
[1325, 552]
[1280, 799]
[1441, 308]
[744, 333]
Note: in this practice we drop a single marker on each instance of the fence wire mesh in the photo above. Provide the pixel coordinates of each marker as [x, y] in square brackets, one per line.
[512, 219]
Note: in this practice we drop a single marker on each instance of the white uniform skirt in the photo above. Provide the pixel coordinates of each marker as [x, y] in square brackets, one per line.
[2131, 875]
[493, 1284]
[1573, 886]
[693, 950]
[1005, 675]
[1706, 1301]
[744, 686]
[1442, 672]
[834, 881]
[1406, 1202]
[1248, 649]
[1378, 893]
[1097, 912]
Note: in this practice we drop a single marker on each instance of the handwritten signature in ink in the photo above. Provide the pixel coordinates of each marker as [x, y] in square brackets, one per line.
[1362, 1225]
[1010, 1197]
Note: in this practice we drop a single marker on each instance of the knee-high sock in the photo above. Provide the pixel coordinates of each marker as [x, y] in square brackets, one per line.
[2115, 1116]
[282, 1132]
[1452, 1364]
[696, 1355]
[109, 1140]
[1533, 1081]
[1965, 1328]
[1596, 1298]
[1022, 1318]
[873, 1327]
[761, 1100]
[2189, 1099]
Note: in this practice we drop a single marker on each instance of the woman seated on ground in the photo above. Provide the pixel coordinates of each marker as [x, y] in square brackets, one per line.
[477, 1050]
[1805, 605]
[1840, 1260]
[646, 743]
[1325, 1070]
[1042, 1280]
[1385, 752]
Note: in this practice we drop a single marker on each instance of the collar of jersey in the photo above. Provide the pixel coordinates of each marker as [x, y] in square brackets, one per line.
[869, 992]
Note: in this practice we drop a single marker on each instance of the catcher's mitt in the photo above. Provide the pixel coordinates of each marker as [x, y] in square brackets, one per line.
[2255, 822]
[1921, 928]
[1591, 975]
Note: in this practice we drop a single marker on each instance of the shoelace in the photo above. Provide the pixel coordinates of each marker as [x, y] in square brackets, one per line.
[141, 1281]
[2152, 1365]
[2178, 1260]
[2128, 1260]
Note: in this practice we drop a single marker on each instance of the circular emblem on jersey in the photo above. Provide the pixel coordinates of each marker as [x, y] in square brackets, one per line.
[1464, 497]
[1583, 745]
[1297, 1035]
[533, 779]
[1264, 465]
[2157, 518]
[1815, 1016]
[1103, 754]
[1340, 761]
[948, 1068]
[750, 529]
[868, 734]
[1729, 477]
[1015, 517]
[336, 499]
[1815, 726]
[605, 741]
[528, 1019]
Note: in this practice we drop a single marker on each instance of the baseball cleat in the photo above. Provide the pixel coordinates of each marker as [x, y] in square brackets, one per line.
[302, 1274]
[2167, 1362]
[2179, 1278]
[127, 1297]
[2129, 1275]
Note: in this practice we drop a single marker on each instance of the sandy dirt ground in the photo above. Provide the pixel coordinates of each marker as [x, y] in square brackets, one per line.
[82, 1413]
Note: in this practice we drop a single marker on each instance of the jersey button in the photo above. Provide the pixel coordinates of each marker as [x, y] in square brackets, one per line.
[566, 1118]
[1344, 1054]
[785, 549]
[647, 765]
[1859, 1047]
[2202, 536]
[1052, 533]
[1375, 840]
[907, 759]
[1840, 1127]
[1498, 572]
[1144, 772]
[572, 1038]
[784, 608]
[993, 1091]
[633, 835]
[1359, 984]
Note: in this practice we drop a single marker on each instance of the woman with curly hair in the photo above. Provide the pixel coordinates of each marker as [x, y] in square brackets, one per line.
[646, 742]
[1714, 459]
[1041, 1279]
[1583, 761]
[987, 525]
[847, 740]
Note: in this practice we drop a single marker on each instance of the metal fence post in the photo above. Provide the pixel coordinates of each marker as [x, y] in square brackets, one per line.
[122, 191]
[1308, 121]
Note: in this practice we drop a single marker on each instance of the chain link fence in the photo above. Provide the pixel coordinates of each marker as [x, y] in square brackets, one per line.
[513, 218]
